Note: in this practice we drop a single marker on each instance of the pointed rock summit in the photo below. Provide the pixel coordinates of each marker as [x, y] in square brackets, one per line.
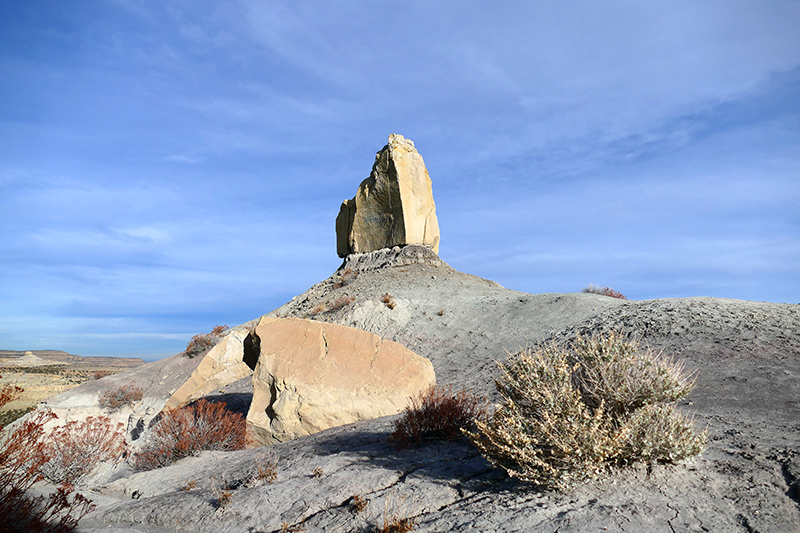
[392, 207]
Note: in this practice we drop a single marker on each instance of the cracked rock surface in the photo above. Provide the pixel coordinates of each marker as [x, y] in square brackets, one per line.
[350, 478]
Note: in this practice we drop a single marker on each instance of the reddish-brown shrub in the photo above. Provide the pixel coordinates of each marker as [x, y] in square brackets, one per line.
[101, 374]
[604, 291]
[200, 344]
[119, 396]
[185, 431]
[437, 414]
[76, 447]
[23, 451]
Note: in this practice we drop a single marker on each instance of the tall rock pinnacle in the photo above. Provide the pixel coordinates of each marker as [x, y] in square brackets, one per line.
[392, 207]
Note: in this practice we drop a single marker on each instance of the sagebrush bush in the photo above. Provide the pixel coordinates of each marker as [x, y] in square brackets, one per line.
[23, 451]
[440, 413]
[566, 416]
[200, 344]
[183, 432]
[116, 397]
[76, 447]
[604, 291]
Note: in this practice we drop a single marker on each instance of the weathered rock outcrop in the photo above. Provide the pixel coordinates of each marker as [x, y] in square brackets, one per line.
[220, 367]
[312, 375]
[393, 207]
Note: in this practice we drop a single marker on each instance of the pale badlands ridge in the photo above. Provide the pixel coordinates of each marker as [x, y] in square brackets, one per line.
[746, 354]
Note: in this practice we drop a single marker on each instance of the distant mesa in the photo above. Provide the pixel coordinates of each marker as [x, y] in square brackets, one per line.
[392, 207]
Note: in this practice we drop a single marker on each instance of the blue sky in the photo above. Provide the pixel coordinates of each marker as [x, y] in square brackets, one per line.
[169, 166]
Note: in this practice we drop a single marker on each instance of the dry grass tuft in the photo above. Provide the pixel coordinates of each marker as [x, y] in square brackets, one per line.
[567, 416]
[440, 413]
[286, 527]
[115, 398]
[267, 468]
[345, 277]
[358, 504]
[604, 291]
[388, 299]
[327, 307]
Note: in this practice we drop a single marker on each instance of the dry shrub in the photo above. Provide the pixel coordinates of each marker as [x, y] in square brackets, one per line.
[317, 472]
[395, 519]
[340, 302]
[183, 432]
[388, 299]
[23, 451]
[201, 344]
[566, 416]
[395, 524]
[117, 397]
[345, 277]
[604, 291]
[100, 374]
[77, 447]
[437, 414]
[358, 504]
[267, 468]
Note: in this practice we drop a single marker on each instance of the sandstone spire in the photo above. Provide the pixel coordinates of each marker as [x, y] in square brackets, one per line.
[393, 207]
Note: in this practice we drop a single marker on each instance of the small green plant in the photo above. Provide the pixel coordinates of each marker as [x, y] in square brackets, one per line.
[117, 397]
[440, 413]
[183, 432]
[201, 344]
[568, 415]
[604, 291]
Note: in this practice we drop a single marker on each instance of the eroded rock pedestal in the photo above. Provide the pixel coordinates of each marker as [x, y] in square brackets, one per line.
[393, 207]
[310, 376]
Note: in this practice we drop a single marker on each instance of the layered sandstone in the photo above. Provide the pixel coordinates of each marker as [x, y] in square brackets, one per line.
[392, 207]
[310, 376]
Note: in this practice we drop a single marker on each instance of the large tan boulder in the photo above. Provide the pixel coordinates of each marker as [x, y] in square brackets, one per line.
[220, 367]
[393, 207]
[311, 376]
